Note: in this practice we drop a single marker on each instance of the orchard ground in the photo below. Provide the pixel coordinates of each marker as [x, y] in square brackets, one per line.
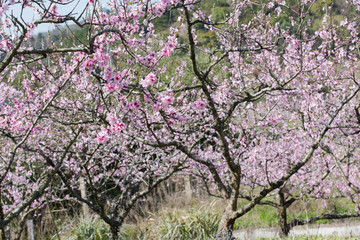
[199, 218]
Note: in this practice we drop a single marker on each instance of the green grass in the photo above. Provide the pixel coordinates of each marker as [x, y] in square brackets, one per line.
[93, 229]
[303, 210]
[266, 216]
[197, 223]
[189, 223]
[200, 219]
[260, 216]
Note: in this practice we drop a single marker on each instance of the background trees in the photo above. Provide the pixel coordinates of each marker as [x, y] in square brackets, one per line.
[252, 97]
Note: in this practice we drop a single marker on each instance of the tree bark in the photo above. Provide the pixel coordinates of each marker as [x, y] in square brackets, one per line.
[284, 226]
[226, 224]
[187, 188]
[85, 207]
[3, 236]
[114, 231]
[30, 229]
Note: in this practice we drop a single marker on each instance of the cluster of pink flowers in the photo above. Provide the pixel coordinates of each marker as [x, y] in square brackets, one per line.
[102, 136]
[115, 124]
[159, 8]
[199, 105]
[169, 46]
[135, 105]
[108, 74]
[167, 100]
[149, 80]
[89, 64]
[118, 127]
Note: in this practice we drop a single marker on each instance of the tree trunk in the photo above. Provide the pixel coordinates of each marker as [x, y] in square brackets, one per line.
[85, 208]
[30, 229]
[226, 226]
[187, 188]
[3, 236]
[8, 232]
[284, 227]
[114, 231]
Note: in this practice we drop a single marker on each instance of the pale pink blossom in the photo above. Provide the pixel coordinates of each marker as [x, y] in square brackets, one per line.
[199, 105]
[149, 80]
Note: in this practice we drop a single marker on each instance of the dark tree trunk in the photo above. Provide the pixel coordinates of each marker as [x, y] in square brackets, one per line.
[284, 226]
[3, 236]
[114, 231]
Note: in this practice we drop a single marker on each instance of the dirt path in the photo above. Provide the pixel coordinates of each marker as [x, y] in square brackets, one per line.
[350, 229]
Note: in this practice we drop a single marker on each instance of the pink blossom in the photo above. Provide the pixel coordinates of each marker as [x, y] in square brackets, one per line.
[117, 77]
[167, 100]
[102, 137]
[89, 64]
[110, 87]
[108, 75]
[112, 118]
[149, 80]
[324, 34]
[199, 105]
[135, 105]
[118, 127]
[166, 51]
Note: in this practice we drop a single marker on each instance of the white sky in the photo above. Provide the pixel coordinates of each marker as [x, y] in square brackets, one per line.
[29, 16]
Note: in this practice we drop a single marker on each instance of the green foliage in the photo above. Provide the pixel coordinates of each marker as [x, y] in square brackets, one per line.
[131, 232]
[314, 208]
[200, 221]
[180, 224]
[93, 229]
[218, 9]
[208, 39]
[261, 216]
[195, 224]
[267, 216]
[162, 23]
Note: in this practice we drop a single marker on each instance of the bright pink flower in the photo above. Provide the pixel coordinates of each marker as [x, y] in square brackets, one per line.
[166, 51]
[117, 77]
[118, 127]
[88, 64]
[110, 87]
[135, 105]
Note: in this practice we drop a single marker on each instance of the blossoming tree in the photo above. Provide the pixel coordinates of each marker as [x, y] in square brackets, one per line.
[129, 105]
[55, 123]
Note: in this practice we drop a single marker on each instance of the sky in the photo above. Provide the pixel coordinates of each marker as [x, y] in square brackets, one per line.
[29, 16]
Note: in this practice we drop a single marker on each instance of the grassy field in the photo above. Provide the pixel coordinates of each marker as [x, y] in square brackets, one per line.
[199, 218]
